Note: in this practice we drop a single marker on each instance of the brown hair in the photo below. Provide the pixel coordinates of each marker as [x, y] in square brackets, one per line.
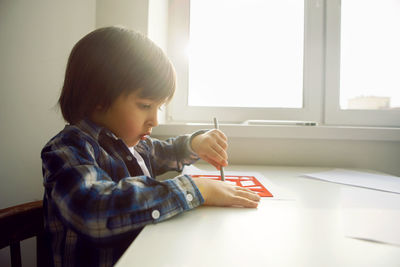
[111, 61]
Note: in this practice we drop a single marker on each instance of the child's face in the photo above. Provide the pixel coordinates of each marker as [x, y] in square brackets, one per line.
[130, 117]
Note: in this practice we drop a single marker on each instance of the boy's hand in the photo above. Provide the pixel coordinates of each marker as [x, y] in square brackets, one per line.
[218, 193]
[211, 146]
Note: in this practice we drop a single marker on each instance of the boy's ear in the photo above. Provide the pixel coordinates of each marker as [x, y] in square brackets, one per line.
[98, 109]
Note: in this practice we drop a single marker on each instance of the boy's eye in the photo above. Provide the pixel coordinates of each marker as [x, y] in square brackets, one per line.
[144, 106]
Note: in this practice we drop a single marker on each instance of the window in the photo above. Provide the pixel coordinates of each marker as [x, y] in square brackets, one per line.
[362, 63]
[286, 60]
[370, 55]
[243, 60]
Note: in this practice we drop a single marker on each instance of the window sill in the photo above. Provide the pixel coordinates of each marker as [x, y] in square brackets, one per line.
[286, 132]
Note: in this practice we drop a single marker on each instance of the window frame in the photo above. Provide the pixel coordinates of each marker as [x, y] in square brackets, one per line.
[178, 109]
[320, 77]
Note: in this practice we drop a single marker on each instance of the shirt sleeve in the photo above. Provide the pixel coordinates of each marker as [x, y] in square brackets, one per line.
[172, 154]
[91, 203]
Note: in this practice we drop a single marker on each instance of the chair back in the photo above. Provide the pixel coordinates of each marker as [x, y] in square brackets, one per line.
[21, 222]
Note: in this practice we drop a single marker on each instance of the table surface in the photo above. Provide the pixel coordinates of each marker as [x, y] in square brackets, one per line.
[304, 231]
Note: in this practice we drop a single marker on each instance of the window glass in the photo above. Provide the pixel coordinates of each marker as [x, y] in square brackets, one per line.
[246, 53]
[370, 54]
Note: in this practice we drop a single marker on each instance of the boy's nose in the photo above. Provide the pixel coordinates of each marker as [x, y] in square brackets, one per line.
[153, 121]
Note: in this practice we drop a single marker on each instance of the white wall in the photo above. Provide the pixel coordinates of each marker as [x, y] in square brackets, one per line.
[382, 156]
[130, 13]
[35, 40]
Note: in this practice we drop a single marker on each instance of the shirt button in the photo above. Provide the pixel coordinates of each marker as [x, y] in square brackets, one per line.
[189, 197]
[155, 214]
[112, 136]
[129, 158]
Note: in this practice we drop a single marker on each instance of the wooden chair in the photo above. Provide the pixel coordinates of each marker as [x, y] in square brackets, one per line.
[21, 222]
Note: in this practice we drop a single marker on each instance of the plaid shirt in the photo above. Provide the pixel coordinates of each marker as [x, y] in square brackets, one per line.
[97, 199]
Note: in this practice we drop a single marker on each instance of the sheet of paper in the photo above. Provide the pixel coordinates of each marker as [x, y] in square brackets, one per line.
[381, 182]
[247, 183]
[277, 192]
[371, 215]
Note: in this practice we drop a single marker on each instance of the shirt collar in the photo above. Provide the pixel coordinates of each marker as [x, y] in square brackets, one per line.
[93, 129]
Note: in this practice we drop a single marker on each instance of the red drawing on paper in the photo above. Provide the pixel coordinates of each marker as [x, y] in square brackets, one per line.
[249, 182]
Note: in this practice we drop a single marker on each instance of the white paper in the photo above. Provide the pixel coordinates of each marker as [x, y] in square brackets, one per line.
[277, 192]
[371, 215]
[381, 182]
[255, 187]
[247, 183]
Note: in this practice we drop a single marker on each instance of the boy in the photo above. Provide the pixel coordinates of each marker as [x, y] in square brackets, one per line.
[99, 171]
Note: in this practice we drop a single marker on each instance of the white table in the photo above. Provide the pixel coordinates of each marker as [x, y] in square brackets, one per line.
[307, 231]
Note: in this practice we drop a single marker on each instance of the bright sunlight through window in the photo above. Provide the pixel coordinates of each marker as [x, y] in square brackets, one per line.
[370, 54]
[246, 53]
